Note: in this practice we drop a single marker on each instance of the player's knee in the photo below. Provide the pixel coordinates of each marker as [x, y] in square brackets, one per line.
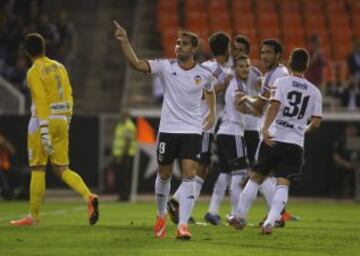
[202, 171]
[58, 170]
[257, 177]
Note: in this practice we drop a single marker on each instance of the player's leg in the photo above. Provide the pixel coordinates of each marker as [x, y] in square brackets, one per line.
[289, 165]
[222, 183]
[278, 203]
[190, 155]
[167, 149]
[238, 162]
[266, 159]
[37, 161]
[60, 163]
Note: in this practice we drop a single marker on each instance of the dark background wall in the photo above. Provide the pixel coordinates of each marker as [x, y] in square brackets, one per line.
[318, 179]
[84, 146]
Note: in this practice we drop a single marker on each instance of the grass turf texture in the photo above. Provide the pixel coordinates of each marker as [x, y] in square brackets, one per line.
[325, 228]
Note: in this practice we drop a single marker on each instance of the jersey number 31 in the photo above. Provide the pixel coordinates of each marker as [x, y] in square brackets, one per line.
[298, 105]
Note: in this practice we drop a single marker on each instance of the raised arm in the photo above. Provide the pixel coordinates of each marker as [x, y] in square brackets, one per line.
[121, 35]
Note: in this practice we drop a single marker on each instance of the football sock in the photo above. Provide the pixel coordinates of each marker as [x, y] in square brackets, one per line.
[278, 203]
[235, 189]
[74, 181]
[247, 197]
[267, 189]
[162, 191]
[199, 182]
[187, 199]
[37, 190]
[221, 184]
[176, 196]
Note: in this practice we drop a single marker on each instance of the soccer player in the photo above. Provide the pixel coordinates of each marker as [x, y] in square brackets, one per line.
[185, 81]
[48, 137]
[221, 68]
[233, 161]
[293, 102]
[271, 52]
[241, 45]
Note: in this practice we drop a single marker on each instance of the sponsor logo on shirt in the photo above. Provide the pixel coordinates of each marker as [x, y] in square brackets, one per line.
[197, 79]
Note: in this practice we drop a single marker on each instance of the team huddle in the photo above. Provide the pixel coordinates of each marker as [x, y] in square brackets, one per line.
[279, 107]
[262, 121]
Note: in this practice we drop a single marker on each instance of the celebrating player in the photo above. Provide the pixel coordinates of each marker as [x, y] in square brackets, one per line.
[180, 129]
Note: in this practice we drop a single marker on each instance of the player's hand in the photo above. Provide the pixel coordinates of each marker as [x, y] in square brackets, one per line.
[45, 137]
[267, 138]
[209, 120]
[120, 33]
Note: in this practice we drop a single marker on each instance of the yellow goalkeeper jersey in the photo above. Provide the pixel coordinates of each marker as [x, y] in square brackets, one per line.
[50, 88]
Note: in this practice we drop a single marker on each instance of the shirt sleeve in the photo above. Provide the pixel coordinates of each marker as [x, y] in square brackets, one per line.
[156, 66]
[276, 93]
[38, 94]
[210, 83]
[317, 110]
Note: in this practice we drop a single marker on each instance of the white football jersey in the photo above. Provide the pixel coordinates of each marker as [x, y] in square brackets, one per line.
[220, 72]
[232, 121]
[270, 78]
[183, 90]
[252, 123]
[299, 101]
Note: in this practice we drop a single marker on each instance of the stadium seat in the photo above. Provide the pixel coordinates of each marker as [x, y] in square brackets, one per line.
[167, 6]
[196, 21]
[241, 7]
[191, 5]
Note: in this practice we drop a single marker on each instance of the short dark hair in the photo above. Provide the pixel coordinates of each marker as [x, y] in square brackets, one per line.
[240, 57]
[219, 43]
[275, 44]
[35, 44]
[194, 38]
[243, 40]
[299, 60]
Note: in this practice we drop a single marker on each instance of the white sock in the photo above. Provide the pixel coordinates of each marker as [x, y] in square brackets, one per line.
[187, 199]
[278, 203]
[267, 190]
[221, 184]
[199, 182]
[236, 189]
[176, 196]
[247, 198]
[162, 191]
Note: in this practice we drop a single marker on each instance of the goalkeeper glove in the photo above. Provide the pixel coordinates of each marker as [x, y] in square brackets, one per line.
[45, 137]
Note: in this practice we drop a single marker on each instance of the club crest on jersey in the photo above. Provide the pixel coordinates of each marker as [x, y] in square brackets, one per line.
[197, 79]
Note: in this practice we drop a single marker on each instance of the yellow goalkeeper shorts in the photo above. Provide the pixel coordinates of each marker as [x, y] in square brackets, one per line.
[58, 131]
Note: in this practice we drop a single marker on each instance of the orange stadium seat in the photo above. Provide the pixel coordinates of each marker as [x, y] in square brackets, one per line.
[244, 21]
[312, 6]
[220, 22]
[291, 22]
[265, 6]
[166, 20]
[241, 7]
[196, 21]
[335, 7]
[166, 6]
[289, 6]
[191, 5]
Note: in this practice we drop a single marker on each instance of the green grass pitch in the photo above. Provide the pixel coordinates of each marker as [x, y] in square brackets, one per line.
[325, 228]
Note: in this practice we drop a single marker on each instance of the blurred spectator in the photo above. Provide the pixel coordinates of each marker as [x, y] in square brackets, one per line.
[68, 40]
[13, 181]
[346, 152]
[317, 61]
[158, 90]
[123, 153]
[353, 62]
[349, 95]
[50, 33]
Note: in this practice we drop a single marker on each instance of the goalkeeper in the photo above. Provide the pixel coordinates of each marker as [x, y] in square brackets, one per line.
[48, 136]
